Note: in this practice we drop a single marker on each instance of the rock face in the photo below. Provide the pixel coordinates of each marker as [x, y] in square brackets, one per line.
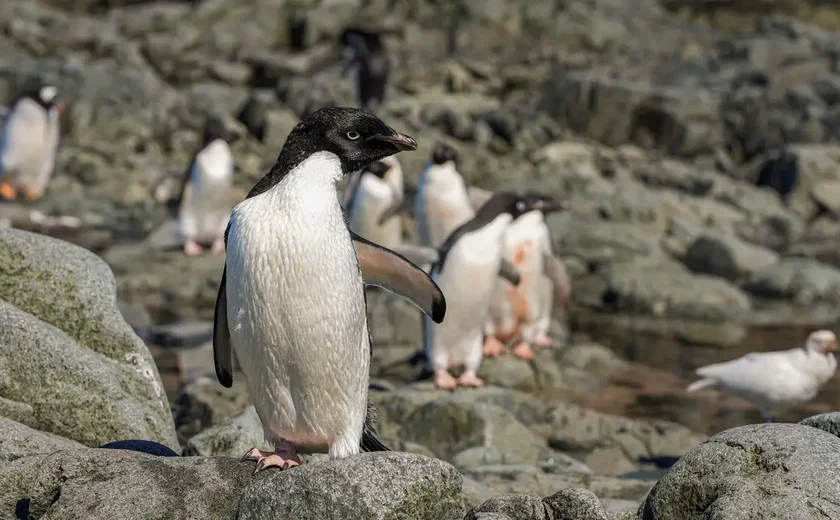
[783, 471]
[568, 504]
[18, 440]
[233, 437]
[70, 363]
[829, 422]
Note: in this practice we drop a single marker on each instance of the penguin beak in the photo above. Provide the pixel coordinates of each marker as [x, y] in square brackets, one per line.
[554, 206]
[400, 141]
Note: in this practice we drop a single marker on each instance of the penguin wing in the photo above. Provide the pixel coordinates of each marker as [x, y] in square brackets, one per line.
[222, 352]
[185, 190]
[384, 268]
[401, 206]
[509, 272]
[555, 270]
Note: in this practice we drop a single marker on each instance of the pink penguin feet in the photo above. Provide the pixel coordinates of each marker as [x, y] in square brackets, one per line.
[192, 248]
[445, 381]
[284, 457]
[543, 341]
[218, 246]
[524, 351]
[468, 378]
[493, 347]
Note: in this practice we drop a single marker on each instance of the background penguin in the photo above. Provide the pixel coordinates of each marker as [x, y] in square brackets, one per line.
[205, 198]
[367, 66]
[522, 313]
[466, 271]
[291, 302]
[442, 202]
[29, 142]
[378, 190]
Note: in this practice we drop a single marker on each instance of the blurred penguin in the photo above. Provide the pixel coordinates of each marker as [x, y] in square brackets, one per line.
[442, 202]
[205, 200]
[373, 200]
[367, 66]
[522, 314]
[29, 142]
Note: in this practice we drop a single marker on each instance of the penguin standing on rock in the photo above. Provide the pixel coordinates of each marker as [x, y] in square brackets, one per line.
[367, 65]
[442, 202]
[469, 263]
[522, 313]
[204, 200]
[378, 189]
[292, 303]
[29, 142]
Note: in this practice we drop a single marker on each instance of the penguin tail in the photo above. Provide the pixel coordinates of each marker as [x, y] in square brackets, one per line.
[372, 443]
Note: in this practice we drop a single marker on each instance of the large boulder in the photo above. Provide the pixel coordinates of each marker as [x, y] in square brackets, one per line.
[800, 279]
[70, 364]
[566, 504]
[18, 440]
[367, 486]
[829, 422]
[783, 471]
[232, 437]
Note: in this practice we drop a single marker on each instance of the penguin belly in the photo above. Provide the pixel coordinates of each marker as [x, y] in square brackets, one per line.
[205, 215]
[297, 316]
[29, 143]
[373, 198]
[440, 213]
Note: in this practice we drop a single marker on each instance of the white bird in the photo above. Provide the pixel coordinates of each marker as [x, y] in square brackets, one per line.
[442, 202]
[775, 381]
[375, 195]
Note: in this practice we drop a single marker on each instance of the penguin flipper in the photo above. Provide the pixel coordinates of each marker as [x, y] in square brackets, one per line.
[222, 351]
[555, 270]
[401, 206]
[509, 272]
[384, 268]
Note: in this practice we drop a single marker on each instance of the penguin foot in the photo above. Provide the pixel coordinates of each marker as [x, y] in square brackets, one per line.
[445, 381]
[7, 191]
[32, 194]
[469, 378]
[218, 246]
[493, 347]
[191, 248]
[524, 351]
[543, 341]
[283, 458]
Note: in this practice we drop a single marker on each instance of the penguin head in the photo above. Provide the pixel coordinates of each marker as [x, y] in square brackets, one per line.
[444, 154]
[377, 168]
[821, 341]
[543, 203]
[214, 129]
[44, 94]
[356, 136]
[359, 43]
[504, 202]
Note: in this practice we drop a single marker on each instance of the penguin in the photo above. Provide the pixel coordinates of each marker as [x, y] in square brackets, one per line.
[29, 142]
[291, 303]
[204, 200]
[442, 202]
[522, 313]
[468, 263]
[252, 115]
[377, 191]
[366, 63]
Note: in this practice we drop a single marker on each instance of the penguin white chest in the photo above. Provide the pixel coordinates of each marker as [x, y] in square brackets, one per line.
[373, 198]
[29, 142]
[297, 313]
[443, 204]
[205, 214]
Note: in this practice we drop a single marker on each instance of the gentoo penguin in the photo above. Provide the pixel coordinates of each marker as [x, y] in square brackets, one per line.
[367, 66]
[291, 304]
[204, 200]
[522, 313]
[442, 202]
[468, 265]
[29, 142]
[775, 381]
[377, 191]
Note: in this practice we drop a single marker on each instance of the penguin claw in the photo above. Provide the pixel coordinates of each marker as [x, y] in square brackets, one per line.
[470, 379]
[283, 459]
[524, 351]
[445, 381]
[493, 347]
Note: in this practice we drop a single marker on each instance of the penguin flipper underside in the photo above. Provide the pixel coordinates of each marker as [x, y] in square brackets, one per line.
[384, 268]
[222, 351]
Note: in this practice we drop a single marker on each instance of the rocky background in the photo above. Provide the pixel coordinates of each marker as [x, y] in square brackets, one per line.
[696, 142]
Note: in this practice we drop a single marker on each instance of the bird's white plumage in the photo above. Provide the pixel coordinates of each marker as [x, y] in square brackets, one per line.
[297, 313]
[467, 278]
[372, 198]
[774, 381]
[28, 147]
[205, 212]
[442, 203]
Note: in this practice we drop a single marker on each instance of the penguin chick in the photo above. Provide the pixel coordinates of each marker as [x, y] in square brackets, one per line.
[366, 63]
[442, 202]
[29, 142]
[291, 303]
[204, 200]
[522, 313]
[468, 265]
[378, 190]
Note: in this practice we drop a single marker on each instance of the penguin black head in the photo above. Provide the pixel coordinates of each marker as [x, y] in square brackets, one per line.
[359, 43]
[443, 154]
[377, 168]
[42, 93]
[356, 136]
[502, 202]
[543, 203]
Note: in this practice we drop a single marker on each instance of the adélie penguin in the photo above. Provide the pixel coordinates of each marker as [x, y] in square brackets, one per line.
[367, 66]
[377, 189]
[29, 142]
[522, 314]
[442, 202]
[205, 197]
[469, 263]
[292, 305]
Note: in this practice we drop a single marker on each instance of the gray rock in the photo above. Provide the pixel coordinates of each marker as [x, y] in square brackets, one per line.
[829, 422]
[232, 437]
[205, 402]
[784, 471]
[575, 504]
[107, 484]
[183, 334]
[18, 440]
[72, 365]
[728, 257]
[516, 506]
[800, 279]
[355, 488]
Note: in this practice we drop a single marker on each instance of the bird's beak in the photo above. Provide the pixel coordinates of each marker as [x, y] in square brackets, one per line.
[400, 141]
[554, 206]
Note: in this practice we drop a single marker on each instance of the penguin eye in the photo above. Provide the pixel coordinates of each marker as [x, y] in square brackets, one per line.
[520, 206]
[352, 135]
